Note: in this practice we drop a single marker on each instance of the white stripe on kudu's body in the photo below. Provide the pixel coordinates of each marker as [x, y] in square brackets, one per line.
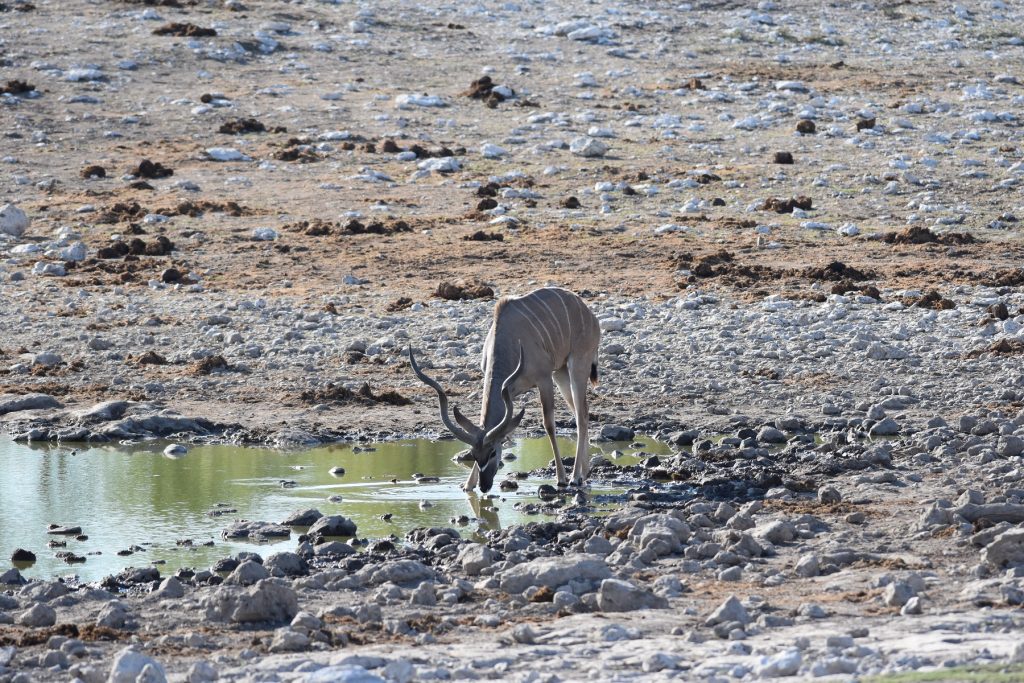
[529, 345]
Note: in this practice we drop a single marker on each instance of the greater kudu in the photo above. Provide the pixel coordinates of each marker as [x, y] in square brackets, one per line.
[545, 338]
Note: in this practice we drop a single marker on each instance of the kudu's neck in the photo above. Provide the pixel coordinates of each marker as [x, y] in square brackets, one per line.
[501, 363]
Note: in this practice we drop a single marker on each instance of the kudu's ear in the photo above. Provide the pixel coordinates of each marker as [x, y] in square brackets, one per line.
[464, 421]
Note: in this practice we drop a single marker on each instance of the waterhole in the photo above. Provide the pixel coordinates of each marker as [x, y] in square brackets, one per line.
[171, 511]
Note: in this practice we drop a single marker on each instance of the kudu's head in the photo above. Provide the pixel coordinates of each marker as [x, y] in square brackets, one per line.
[484, 444]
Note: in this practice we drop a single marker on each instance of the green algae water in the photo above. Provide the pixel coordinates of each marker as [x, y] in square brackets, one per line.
[171, 511]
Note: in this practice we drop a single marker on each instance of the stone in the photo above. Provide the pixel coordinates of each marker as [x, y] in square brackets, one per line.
[829, 495]
[114, 615]
[730, 610]
[771, 435]
[15, 404]
[12, 577]
[49, 269]
[554, 572]
[399, 572]
[333, 549]
[306, 517]
[244, 528]
[343, 674]
[807, 566]
[474, 557]
[267, 601]
[585, 146]
[22, 555]
[778, 531]
[897, 593]
[201, 672]
[286, 564]
[129, 665]
[288, 640]
[617, 433]
[783, 664]
[616, 595]
[1011, 446]
[1006, 550]
[13, 221]
[671, 532]
[885, 427]
[247, 573]
[880, 351]
[169, 589]
[37, 616]
[333, 525]
[913, 606]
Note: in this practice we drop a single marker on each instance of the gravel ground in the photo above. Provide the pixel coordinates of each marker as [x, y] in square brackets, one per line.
[797, 225]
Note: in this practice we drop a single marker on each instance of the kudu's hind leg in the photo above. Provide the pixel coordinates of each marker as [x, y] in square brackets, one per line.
[578, 378]
[547, 404]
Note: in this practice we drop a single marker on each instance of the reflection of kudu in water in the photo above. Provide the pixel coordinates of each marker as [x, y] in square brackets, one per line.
[485, 512]
[544, 338]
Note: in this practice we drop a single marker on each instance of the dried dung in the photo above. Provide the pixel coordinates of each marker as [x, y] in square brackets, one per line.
[184, 30]
[461, 290]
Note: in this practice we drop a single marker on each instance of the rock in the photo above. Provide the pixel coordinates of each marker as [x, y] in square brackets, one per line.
[886, 427]
[306, 517]
[226, 154]
[778, 531]
[15, 404]
[247, 573]
[554, 572]
[829, 495]
[333, 549]
[22, 555]
[617, 433]
[783, 664]
[730, 610]
[474, 557]
[105, 411]
[399, 572]
[808, 565]
[264, 234]
[114, 615]
[287, 640]
[771, 435]
[244, 528]
[286, 564]
[267, 601]
[12, 577]
[897, 593]
[616, 595]
[333, 525]
[664, 532]
[201, 672]
[175, 450]
[37, 616]
[343, 674]
[1011, 446]
[13, 221]
[585, 146]
[1006, 550]
[169, 589]
[913, 606]
[880, 351]
[129, 665]
[49, 269]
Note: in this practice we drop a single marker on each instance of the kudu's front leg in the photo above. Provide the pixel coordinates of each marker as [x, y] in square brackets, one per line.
[547, 404]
